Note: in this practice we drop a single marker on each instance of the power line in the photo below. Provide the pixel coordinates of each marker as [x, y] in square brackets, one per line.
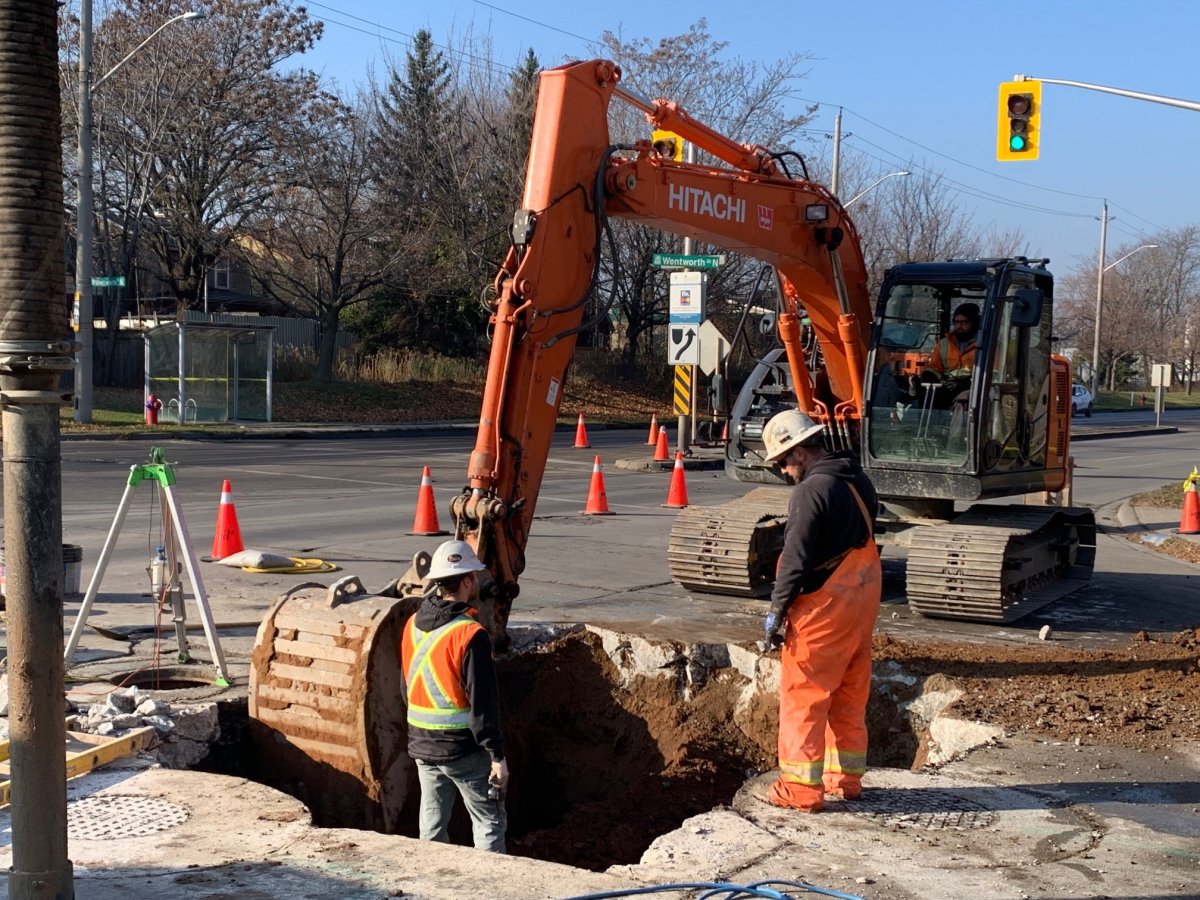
[538, 22]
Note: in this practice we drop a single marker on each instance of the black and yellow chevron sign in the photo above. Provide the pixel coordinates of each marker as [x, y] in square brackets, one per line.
[683, 390]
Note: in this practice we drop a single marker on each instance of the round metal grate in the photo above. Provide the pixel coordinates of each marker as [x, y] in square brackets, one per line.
[111, 816]
[921, 808]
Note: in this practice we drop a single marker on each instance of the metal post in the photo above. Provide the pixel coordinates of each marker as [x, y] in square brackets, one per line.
[83, 215]
[1099, 303]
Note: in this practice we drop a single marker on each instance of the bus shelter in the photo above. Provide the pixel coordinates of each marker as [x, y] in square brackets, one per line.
[210, 372]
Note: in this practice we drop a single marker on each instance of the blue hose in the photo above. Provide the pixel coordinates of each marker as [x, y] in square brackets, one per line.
[714, 889]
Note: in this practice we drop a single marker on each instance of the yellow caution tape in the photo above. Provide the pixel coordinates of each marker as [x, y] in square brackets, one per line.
[302, 566]
[1190, 483]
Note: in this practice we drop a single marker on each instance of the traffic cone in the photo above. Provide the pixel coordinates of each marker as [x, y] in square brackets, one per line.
[661, 453]
[1189, 522]
[425, 522]
[725, 433]
[228, 537]
[677, 495]
[581, 440]
[653, 439]
[597, 501]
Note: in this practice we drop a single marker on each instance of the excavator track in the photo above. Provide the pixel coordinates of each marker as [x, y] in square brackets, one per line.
[999, 563]
[731, 548]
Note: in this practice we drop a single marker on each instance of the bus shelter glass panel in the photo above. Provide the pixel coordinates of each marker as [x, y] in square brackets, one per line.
[210, 372]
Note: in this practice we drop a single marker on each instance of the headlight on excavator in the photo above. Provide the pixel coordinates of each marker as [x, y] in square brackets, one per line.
[816, 212]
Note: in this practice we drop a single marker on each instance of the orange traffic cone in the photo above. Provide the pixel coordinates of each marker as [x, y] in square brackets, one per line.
[597, 501]
[228, 537]
[653, 439]
[581, 440]
[725, 433]
[677, 495]
[425, 522]
[661, 453]
[1189, 522]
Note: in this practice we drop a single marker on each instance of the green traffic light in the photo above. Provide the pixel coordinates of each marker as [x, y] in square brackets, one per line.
[1017, 144]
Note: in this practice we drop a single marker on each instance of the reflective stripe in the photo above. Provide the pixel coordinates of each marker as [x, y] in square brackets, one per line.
[806, 773]
[444, 715]
[845, 762]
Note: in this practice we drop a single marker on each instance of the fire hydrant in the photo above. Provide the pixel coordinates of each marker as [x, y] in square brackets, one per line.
[153, 405]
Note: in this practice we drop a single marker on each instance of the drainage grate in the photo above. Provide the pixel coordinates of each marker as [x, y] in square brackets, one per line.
[109, 817]
[921, 808]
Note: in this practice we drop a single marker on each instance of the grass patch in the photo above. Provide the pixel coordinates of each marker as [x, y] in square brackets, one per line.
[1169, 496]
[1121, 400]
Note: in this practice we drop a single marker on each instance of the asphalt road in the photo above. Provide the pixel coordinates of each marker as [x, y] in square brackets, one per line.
[350, 500]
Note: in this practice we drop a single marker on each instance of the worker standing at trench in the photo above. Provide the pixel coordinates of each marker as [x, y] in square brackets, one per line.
[453, 700]
[824, 604]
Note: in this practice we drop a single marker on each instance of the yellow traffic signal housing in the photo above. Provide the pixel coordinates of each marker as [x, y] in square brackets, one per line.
[1019, 121]
[668, 144]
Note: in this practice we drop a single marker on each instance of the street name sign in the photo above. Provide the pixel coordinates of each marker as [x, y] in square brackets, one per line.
[682, 261]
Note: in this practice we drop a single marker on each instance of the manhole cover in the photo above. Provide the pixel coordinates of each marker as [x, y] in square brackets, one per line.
[923, 808]
[108, 817]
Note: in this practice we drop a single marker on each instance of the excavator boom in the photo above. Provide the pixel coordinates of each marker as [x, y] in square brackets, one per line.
[576, 178]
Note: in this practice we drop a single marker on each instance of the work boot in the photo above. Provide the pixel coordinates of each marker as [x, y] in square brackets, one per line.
[846, 788]
[800, 797]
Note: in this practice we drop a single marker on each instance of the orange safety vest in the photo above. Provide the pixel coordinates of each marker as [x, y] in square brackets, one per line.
[947, 348]
[432, 661]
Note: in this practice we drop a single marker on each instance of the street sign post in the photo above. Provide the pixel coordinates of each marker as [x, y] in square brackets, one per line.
[686, 261]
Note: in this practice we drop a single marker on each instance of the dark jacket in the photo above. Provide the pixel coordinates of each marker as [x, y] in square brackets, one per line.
[483, 694]
[824, 521]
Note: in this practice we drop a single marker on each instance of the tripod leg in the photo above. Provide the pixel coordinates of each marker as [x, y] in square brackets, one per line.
[193, 570]
[89, 598]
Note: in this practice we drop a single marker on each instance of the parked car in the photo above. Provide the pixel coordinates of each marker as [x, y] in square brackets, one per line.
[1081, 400]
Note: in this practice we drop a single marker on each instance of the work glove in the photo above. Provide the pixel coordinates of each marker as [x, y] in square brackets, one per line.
[773, 629]
[499, 774]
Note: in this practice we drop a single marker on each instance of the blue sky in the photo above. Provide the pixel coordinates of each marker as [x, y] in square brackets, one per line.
[917, 81]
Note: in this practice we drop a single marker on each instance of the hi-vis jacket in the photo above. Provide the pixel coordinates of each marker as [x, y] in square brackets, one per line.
[450, 684]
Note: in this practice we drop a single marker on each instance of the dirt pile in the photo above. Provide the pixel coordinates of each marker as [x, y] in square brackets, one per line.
[1143, 696]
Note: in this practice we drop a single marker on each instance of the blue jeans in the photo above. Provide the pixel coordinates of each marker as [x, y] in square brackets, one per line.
[468, 776]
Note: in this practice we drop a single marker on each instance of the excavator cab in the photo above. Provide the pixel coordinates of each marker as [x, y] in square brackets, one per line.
[946, 423]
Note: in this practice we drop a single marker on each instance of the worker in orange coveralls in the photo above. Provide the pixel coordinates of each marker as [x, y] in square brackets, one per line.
[824, 604]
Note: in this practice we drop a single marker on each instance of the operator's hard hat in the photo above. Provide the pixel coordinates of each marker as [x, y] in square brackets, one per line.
[453, 558]
[786, 430]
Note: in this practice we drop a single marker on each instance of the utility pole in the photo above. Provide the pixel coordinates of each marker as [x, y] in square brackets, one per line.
[1099, 303]
[35, 351]
[837, 152]
[84, 373]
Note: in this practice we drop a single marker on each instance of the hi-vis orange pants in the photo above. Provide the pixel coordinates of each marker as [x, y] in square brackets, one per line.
[825, 680]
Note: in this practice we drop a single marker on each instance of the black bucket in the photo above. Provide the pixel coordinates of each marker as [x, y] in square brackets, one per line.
[72, 569]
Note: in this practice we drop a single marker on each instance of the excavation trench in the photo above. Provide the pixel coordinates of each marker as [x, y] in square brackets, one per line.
[613, 740]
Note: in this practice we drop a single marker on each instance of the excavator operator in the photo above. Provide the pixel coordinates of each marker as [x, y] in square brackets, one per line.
[824, 604]
[953, 357]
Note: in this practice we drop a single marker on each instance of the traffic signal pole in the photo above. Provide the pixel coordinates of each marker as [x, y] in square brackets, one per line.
[1121, 92]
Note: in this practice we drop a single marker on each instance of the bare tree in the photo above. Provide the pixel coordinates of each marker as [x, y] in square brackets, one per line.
[315, 246]
[193, 135]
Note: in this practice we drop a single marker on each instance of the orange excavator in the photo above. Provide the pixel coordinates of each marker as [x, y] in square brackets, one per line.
[325, 674]
[1008, 434]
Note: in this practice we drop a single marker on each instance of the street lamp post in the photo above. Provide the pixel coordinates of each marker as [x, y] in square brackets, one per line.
[83, 248]
[874, 185]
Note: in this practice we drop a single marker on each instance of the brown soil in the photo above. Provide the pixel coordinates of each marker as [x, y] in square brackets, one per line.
[1143, 696]
[604, 767]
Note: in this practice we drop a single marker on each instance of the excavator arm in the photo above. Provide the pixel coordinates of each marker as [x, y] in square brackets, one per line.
[575, 179]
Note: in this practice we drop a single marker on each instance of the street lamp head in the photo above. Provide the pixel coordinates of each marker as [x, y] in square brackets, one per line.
[195, 14]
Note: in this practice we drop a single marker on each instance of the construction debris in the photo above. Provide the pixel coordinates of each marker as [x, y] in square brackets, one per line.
[185, 733]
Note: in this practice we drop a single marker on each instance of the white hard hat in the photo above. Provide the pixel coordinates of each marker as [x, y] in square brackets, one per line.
[453, 558]
[786, 430]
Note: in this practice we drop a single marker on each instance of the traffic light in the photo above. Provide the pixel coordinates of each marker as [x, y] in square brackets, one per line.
[1018, 129]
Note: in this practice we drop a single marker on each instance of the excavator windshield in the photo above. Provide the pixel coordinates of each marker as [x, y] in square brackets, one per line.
[923, 368]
